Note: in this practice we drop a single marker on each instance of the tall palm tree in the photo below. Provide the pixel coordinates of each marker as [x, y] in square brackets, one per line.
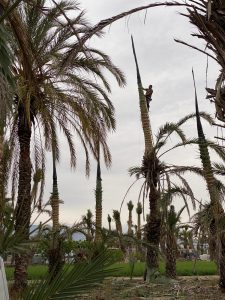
[152, 168]
[98, 201]
[130, 207]
[154, 224]
[55, 255]
[217, 226]
[47, 97]
[139, 212]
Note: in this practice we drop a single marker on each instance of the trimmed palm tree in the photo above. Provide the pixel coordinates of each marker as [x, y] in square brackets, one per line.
[216, 224]
[130, 207]
[109, 219]
[88, 220]
[153, 169]
[139, 212]
[119, 230]
[98, 202]
[152, 165]
[116, 217]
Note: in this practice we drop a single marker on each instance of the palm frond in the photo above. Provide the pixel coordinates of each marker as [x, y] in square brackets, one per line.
[73, 280]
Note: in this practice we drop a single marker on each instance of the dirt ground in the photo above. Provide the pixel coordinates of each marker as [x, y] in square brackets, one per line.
[185, 288]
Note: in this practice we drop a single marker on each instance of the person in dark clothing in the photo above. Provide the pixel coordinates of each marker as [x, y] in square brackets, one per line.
[148, 95]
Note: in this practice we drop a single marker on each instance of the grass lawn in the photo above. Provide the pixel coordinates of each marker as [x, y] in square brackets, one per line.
[184, 268]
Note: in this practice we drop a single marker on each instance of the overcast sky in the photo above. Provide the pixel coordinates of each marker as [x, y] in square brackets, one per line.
[164, 64]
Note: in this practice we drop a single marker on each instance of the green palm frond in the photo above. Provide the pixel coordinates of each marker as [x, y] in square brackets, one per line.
[205, 116]
[219, 169]
[166, 130]
[73, 280]
[173, 169]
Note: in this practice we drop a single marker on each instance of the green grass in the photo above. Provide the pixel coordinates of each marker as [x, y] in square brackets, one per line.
[184, 268]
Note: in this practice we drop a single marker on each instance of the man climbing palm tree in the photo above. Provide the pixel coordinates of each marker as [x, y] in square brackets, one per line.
[148, 95]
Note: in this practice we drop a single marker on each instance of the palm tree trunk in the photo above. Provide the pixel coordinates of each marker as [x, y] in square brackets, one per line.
[153, 228]
[139, 227]
[23, 208]
[109, 226]
[171, 253]
[55, 254]
[98, 207]
[55, 198]
[130, 223]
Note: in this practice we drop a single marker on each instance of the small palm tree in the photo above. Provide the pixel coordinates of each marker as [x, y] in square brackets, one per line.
[171, 244]
[139, 212]
[119, 230]
[109, 219]
[116, 217]
[88, 220]
[130, 207]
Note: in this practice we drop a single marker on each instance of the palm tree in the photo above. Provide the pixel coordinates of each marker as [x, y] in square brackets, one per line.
[109, 219]
[47, 97]
[153, 168]
[139, 212]
[119, 230]
[88, 220]
[55, 255]
[171, 243]
[116, 217]
[130, 207]
[203, 227]
[98, 201]
[216, 224]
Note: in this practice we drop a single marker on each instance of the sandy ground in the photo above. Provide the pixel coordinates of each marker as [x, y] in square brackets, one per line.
[185, 288]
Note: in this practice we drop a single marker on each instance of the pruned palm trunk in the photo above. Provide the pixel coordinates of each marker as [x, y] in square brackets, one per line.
[55, 255]
[217, 209]
[153, 228]
[23, 208]
[171, 254]
[139, 212]
[130, 221]
[109, 222]
[119, 230]
[55, 198]
[154, 224]
[98, 206]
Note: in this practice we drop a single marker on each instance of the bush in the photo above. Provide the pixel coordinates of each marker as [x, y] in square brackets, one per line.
[116, 255]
